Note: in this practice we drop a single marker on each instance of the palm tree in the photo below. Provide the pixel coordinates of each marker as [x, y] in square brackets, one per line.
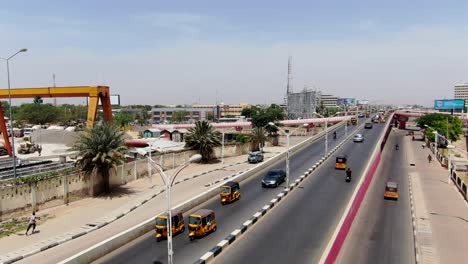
[203, 138]
[257, 138]
[100, 149]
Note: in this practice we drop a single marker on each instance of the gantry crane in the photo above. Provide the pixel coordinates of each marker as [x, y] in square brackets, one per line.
[95, 93]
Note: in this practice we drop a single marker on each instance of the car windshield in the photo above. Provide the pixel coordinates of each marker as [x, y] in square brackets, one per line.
[358, 135]
[226, 190]
[391, 189]
[161, 221]
[272, 174]
[340, 160]
[252, 155]
[194, 220]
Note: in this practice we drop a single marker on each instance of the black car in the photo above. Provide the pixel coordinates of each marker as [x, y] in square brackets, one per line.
[368, 125]
[274, 178]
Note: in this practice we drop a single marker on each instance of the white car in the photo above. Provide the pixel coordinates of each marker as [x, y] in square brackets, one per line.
[358, 138]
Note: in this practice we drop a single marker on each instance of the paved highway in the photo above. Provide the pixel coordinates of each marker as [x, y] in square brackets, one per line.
[229, 217]
[299, 228]
[382, 231]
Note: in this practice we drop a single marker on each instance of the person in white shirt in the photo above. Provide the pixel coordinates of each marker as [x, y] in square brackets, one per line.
[32, 223]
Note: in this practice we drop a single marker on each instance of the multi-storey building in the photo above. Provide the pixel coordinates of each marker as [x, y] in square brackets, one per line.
[328, 100]
[461, 92]
[192, 114]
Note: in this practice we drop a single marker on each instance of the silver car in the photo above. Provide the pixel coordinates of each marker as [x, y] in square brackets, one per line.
[358, 138]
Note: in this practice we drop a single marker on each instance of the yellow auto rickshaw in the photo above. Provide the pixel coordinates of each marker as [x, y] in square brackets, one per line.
[391, 190]
[230, 192]
[340, 163]
[178, 224]
[201, 223]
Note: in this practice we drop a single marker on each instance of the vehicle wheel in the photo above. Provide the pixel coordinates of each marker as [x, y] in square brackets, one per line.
[276, 185]
[158, 239]
[214, 229]
[183, 229]
[238, 197]
[191, 238]
[222, 203]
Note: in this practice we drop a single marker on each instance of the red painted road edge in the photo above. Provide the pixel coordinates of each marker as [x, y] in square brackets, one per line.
[344, 230]
[346, 226]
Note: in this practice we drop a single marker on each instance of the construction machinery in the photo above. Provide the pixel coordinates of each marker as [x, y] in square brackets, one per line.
[94, 93]
[28, 147]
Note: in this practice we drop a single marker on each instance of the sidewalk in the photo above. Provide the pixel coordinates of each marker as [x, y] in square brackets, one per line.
[441, 213]
[130, 204]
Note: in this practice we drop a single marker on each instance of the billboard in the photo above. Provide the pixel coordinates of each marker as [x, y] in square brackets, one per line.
[449, 104]
[349, 101]
[362, 102]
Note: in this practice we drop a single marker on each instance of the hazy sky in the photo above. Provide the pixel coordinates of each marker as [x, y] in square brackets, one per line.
[183, 52]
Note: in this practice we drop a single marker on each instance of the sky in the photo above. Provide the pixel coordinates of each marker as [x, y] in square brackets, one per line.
[185, 52]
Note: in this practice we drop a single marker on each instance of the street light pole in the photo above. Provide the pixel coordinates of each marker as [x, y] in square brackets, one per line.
[326, 131]
[168, 181]
[9, 107]
[287, 160]
[436, 138]
[222, 148]
[326, 136]
[288, 133]
[449, 166]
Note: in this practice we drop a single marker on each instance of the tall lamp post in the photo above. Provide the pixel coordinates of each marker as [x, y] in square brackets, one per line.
[346, 124]
[449, 165]
[436, 138]
[9, 102]
[168, 181]
[326, 131]
[288, 146]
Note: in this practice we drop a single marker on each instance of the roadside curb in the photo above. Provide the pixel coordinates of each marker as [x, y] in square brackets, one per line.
[413, 220]
[48, 243]
[227, 241]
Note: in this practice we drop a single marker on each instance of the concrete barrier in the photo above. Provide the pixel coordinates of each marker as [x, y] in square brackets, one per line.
[130, 234]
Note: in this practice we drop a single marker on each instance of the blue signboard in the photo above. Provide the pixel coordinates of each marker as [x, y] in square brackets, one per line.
[449, 104]
[349, 101]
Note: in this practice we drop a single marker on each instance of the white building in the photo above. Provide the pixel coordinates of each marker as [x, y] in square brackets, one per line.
[461, 92]
[329, 100]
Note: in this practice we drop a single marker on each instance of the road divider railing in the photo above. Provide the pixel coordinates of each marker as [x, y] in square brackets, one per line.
[110, 244]
[237, 233]
[333, 247]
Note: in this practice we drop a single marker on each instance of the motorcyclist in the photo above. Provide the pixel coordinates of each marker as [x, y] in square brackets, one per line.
[334, 134]
[348, 173]
[396, 146]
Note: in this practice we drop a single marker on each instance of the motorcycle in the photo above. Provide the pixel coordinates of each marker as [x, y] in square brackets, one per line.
[348, 178]
[396, 147]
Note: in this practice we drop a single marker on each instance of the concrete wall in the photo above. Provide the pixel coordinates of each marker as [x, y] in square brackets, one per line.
[15, 198]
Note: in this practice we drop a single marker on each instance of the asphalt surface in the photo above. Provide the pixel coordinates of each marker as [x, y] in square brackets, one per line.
[145, 249]
[299, 228]
[382, 230]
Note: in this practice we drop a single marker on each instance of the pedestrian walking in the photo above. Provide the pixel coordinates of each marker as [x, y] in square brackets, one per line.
[429, 158]
[32, 223]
